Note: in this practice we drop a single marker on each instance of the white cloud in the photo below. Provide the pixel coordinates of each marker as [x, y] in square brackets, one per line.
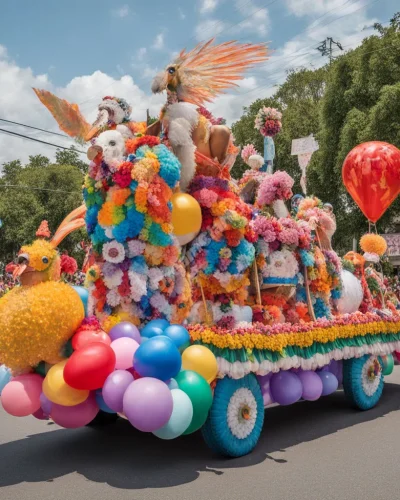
[207, 29]
[121, 12]
[302, 8]
[208, 6]
[19, 103]
[158, 43]
[140, 53]
[256, 17]
[182, 15]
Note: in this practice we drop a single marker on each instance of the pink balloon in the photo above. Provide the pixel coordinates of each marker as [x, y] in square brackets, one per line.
[124, 349]
[21, 396]
[39, 414]
[397, 354]
[72, 417]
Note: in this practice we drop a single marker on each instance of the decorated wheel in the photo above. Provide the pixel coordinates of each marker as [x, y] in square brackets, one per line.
[363, 381]
[236, 417]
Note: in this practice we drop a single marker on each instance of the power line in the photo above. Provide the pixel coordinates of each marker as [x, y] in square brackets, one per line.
[38, 140]
[34, 128]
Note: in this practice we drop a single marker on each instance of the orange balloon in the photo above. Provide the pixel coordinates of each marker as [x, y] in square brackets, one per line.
[371, 174]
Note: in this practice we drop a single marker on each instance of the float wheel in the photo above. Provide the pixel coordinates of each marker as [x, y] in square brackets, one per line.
[236, 418]
[363, 381]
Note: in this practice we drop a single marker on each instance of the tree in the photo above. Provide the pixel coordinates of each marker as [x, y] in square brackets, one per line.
[31, 193]
[71, 157]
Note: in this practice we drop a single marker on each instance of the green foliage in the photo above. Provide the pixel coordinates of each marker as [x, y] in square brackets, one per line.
[353, 100]
[37, 191]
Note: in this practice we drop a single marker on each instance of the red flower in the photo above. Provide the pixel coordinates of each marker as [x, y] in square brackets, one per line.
[132, 145]
[68, 264]
[122, 176]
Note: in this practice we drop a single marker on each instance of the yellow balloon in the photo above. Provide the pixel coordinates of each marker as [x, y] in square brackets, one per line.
[58, 391]
[186, 215]
[201, 360]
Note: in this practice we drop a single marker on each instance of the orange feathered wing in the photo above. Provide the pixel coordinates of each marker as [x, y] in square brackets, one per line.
[208, 70]
[68, 116]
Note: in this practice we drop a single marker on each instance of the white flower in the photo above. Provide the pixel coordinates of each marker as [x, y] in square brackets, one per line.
[155, 276]
[282, 264]
[113, 298]
[138, 285]
[114, 280]
[113, 252]
[108, 232]
[135, 248]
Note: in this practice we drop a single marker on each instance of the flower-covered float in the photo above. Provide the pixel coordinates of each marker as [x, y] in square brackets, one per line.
[200, 308]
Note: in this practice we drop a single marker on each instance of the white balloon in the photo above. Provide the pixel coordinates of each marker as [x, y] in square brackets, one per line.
[181, 417]
[184, 239]
[352, 293]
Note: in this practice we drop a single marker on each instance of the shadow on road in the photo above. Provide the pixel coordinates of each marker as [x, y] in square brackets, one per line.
[124, 458]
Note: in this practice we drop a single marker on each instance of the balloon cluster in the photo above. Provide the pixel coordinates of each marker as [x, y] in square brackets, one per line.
[288, 387]
[153, 377]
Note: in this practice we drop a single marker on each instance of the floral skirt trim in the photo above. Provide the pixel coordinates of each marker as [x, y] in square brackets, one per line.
[236, 363]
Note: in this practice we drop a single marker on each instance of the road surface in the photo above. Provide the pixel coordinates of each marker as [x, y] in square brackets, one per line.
[309, 451]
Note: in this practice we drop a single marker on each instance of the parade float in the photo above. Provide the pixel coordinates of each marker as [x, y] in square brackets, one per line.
[205, 301]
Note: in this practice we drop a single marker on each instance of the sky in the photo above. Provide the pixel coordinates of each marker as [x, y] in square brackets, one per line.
[83, 50]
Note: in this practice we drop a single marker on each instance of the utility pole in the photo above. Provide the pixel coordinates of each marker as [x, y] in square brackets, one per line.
[326, 48]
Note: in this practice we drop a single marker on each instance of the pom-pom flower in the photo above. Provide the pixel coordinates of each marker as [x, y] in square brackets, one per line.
[247, 151]
[275, 187]
[373, 243]
[268, 121]
[68, 264]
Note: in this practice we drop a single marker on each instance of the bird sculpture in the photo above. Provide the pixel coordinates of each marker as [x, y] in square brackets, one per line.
[191, 80]
[40, 316]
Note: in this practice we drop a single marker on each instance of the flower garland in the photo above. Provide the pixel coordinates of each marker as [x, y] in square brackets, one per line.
[268, 121]
[280, 336]
[137, 273]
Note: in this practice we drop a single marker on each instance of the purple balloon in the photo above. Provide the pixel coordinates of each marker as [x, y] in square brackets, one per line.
[336, 367]
[264, 382]
[45, 404]
[125, 329]
[72, 417]
[148, 404]
[286, 388]
[312, 385]
[329, 383]
[114, 389]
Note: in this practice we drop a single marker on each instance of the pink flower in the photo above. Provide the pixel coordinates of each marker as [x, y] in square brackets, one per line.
[248, 151]
[275, 187]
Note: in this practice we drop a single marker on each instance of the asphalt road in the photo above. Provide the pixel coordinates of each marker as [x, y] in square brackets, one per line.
[309, 451]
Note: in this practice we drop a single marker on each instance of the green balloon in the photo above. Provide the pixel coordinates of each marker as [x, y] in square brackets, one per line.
[388, 364]
[200, 394]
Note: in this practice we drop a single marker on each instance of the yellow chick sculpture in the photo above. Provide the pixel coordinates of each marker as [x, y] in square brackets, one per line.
[38, 317]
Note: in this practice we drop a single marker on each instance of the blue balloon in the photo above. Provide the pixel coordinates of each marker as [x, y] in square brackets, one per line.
[158, 358]
[101, 403]
[181, 417]
[179, 336]
[83, 295]
[330, 383]
[5, 377]
[154, 327]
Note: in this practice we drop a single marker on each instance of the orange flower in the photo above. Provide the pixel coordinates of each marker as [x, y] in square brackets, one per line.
[119, 196]
[105, 217]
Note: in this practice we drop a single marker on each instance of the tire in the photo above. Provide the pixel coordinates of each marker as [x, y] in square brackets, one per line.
[363, 381]
[236, 417]
[103, 418]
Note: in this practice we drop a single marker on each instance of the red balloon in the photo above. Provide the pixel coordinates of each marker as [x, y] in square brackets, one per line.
[371, 174]
[88, 368]
[85, 337]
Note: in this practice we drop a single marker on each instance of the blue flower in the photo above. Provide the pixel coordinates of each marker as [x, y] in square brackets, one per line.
[307, 258]
[170, 167]
[157, 237]
[138, 264]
